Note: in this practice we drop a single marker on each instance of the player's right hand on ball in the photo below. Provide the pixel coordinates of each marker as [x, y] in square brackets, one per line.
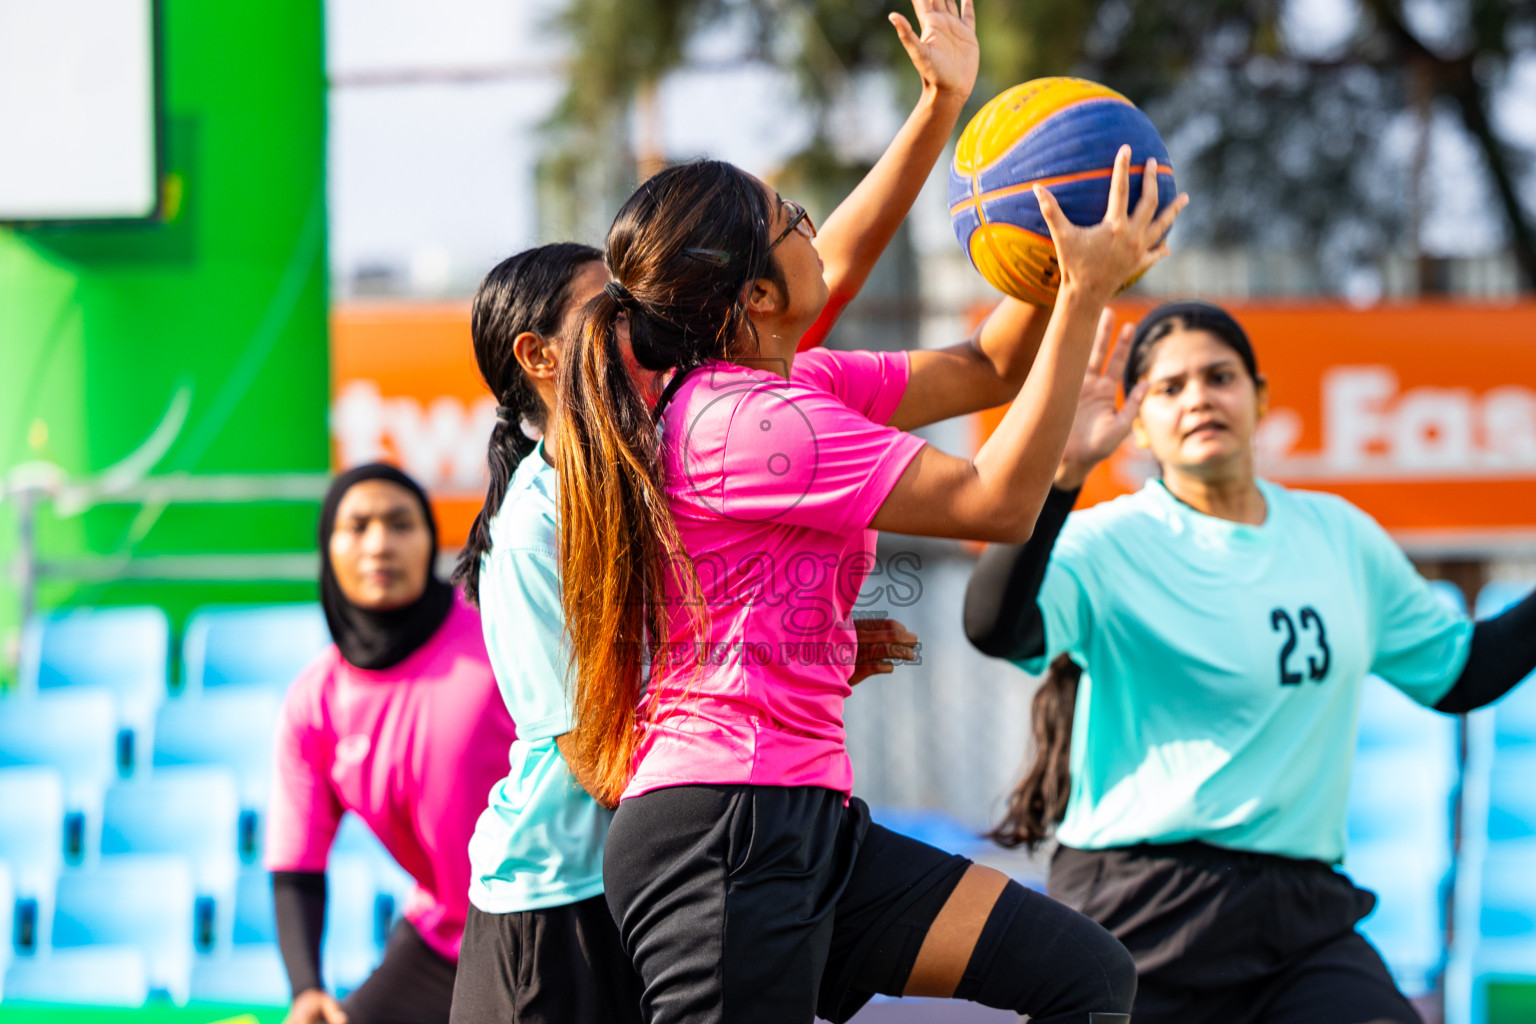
[1098, 260]
[315, 1006]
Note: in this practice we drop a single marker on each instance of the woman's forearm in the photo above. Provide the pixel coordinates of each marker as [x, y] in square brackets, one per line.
[997, 495]
[1002, 614]
[298, 905]
[1016, 464]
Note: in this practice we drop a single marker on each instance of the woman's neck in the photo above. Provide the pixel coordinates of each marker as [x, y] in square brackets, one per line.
[551, 439]
[1235, 497]
[773, 349]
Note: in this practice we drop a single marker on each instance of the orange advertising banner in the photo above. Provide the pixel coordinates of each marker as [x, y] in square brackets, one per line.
[1424, 415]
[405, 389]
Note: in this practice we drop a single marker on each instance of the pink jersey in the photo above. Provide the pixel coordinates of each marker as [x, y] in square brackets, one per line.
[773, 484]
[413, 750]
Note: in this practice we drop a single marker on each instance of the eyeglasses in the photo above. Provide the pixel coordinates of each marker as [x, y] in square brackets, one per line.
[799, 220]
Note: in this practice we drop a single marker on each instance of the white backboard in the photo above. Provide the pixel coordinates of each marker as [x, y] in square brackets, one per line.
[77, 110]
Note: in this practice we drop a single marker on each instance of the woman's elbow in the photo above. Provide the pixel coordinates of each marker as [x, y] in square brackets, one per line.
[1009, 525]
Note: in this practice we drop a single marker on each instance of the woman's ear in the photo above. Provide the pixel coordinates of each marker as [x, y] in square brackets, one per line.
[1261, 395]
[1139, 432]
[765, 298]
[536, 356]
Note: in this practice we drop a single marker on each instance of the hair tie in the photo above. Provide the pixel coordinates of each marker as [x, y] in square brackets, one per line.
[508, 415]
[618, 293]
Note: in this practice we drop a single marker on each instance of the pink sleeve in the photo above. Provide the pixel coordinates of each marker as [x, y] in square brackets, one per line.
[304, 811]
[795, 455]
[870, 383]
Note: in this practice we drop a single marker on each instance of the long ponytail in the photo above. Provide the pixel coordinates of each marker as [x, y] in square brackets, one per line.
[523, 293]
[1040, 801]
[684, 250]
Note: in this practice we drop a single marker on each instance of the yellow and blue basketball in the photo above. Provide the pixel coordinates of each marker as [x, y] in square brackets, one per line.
[1059, 132]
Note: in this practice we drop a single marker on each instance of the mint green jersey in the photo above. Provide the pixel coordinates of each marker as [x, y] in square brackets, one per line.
[1223, 662]
[539, 843]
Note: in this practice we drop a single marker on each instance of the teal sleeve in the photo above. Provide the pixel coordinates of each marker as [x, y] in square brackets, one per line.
[524, 630]
[1420, 644]
[1066, 612]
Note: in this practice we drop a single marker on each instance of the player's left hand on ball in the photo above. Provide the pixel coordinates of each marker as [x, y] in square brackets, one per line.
[882, 643]
[944, 48]
[1100, 258]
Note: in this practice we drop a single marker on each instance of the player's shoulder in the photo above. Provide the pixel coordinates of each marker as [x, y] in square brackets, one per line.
[526, 519]
[1320, 508]
[305, 699]
[1137, 509]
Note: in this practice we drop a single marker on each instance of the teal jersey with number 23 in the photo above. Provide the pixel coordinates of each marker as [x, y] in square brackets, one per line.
[1223, 662]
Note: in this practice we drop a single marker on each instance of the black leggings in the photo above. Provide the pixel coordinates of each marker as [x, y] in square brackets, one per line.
[1228, 937]
[775, 904]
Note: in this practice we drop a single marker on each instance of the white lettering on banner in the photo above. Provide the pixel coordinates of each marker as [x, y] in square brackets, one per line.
[1374, 431]
[441, 445]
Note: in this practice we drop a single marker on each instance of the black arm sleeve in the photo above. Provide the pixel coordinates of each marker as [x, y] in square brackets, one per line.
[1001, 616]
[298, 900]
[1503, 653]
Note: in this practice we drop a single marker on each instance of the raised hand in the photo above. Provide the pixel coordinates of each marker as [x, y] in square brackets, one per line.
[882, 643]
[1101, 258]
[944, 50]
[1099, 427]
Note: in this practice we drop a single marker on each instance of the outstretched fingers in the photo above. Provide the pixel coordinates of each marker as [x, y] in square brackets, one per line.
[1146, 206]
[1132, 407]
[1116, 367]
[1119, 186]
[1103, 338]
[1050, 209]
[1164, 222]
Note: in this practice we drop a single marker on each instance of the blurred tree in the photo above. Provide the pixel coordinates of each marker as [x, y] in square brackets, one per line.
[1286, 142]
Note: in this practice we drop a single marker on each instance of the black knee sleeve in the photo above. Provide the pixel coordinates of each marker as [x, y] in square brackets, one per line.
[1041, 958]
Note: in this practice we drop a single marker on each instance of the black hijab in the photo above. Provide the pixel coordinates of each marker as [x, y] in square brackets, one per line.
[369, 639]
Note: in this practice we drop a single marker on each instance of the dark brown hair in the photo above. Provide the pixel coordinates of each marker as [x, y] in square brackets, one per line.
[523, 293]
[684, 250]
[1040, 800]
[1186, 316]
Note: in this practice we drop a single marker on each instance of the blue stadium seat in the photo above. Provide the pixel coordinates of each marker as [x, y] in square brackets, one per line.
[32, 843]
[190, 812]
[1390, 720]
[390, 884]
[232, 727]
[1400, 823]
[1512, 796]
[90, 976]
[932, 827]
[260, 646]
[1507, 918]
[1408, 925]
[7, 913]
[255, 921]
[124, 650]
[1403, 796]
[246, 975]
[139, 900]
[72, 731]
[352, 946]
[365, 892]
